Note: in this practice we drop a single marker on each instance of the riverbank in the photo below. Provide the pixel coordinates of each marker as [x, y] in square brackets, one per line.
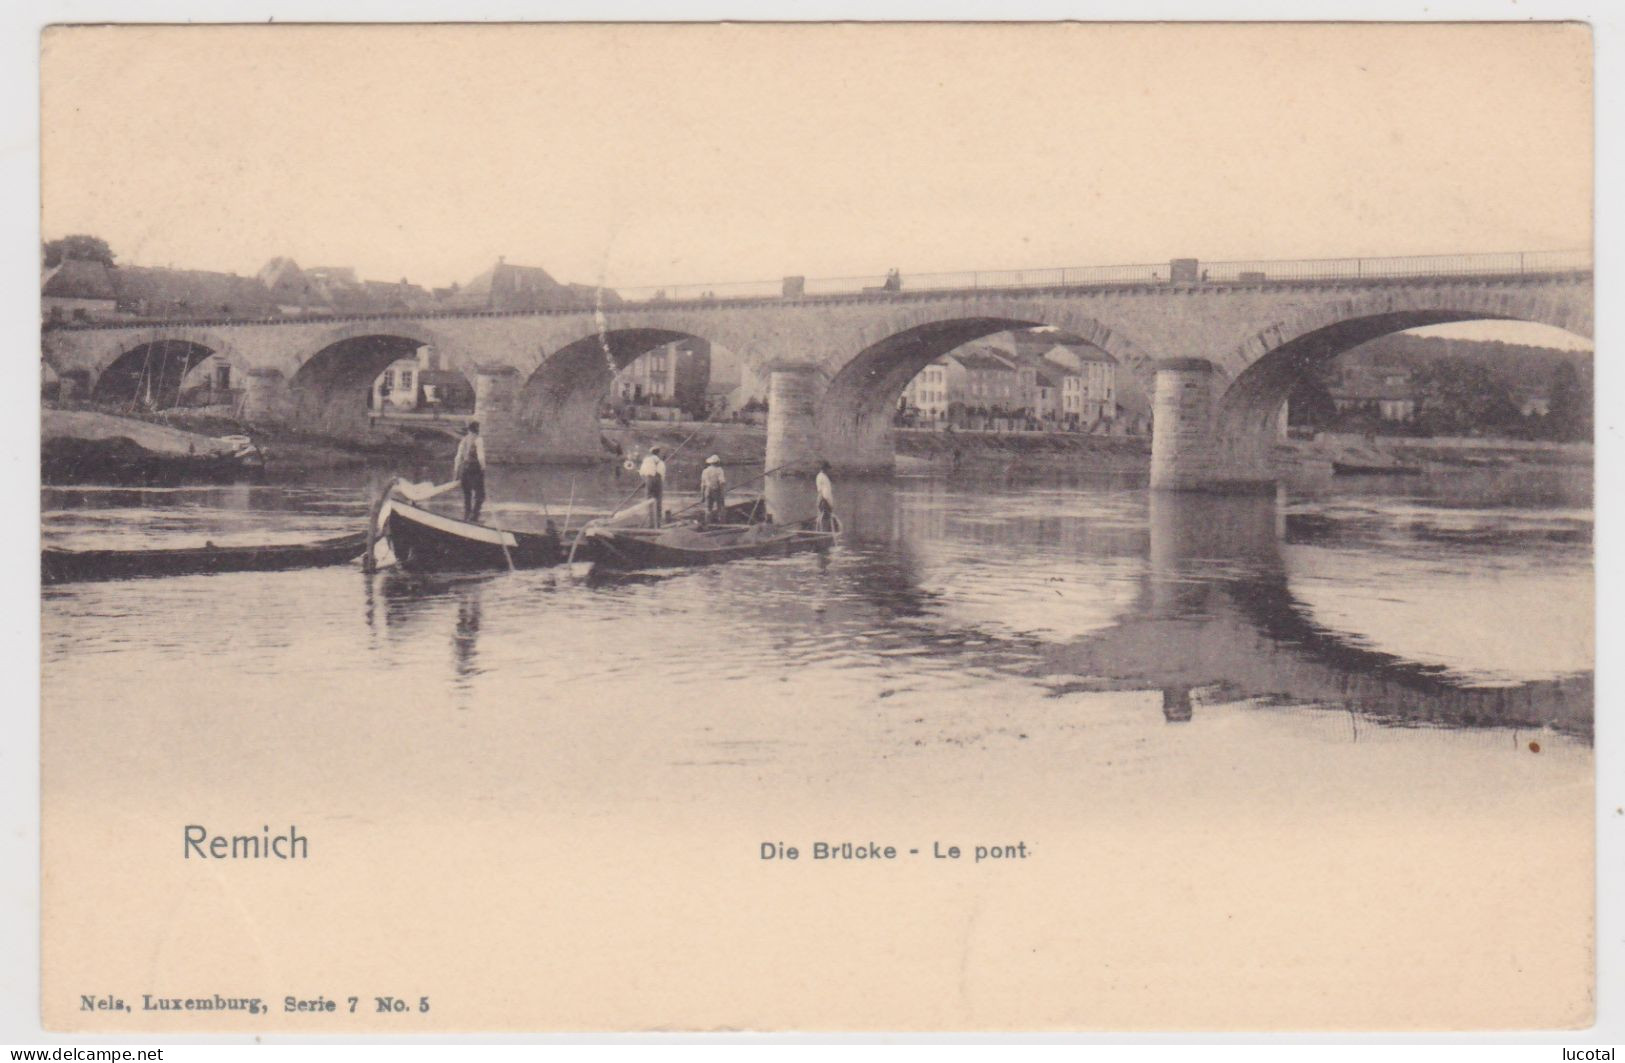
[744, 444]
[926, 449]
[735, 444]
[89, 445]
[1451, 451]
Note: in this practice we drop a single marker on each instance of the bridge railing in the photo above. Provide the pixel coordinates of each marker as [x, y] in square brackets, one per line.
[1240, 271]
[687, 293]
[1252, 271]
[1315, 269]
[1057, 277]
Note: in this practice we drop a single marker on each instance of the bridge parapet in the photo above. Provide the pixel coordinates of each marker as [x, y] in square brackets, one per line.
[1370, 271]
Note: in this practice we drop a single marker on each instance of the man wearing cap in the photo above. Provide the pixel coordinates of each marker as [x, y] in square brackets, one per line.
[469, 468]
[826, 498]
[653, 472]
[714, 489]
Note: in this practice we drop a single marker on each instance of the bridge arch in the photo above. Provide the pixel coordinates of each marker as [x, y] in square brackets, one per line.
[149, 367]
[1263, 370]
[559, 403]
[407, 328]
[853, 417]
[330, 386]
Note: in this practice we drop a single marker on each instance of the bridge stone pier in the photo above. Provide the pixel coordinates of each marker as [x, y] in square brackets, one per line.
[1182, 424]
[267, 397]
[496, 408]
[793, 392]
[1217, 358]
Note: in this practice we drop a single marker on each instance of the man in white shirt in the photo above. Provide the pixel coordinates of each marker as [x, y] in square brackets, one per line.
[826, 498]
[469, 468]
[714, 489]
[653, 472]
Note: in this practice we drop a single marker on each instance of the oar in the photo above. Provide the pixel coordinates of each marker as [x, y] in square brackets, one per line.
[569, 508]
[502, 541]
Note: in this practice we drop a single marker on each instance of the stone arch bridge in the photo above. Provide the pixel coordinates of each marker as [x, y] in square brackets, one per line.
[1219, 358]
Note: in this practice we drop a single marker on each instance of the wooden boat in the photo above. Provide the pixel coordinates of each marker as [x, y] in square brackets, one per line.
[747, 509]
[425, 540]
[1355, 468]
[422, 539]
[120, 463]
[632, 548]
[65, 566]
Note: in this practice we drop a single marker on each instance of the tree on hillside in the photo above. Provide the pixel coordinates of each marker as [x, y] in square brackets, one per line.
[80, 246]
[1456, 396]
[1569, 415]
[1522, 367]
[1310, 404]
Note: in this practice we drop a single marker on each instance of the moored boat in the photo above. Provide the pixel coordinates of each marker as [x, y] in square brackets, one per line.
[1355, 468]
[746, 509]
[631, 548]
[422, 538]
[64, 566]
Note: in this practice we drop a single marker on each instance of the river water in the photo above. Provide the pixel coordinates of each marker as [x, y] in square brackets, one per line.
[1464, 599]
[1068, 659]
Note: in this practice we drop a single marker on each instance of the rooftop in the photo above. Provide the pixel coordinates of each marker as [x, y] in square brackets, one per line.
[193, 289]
[982, 358]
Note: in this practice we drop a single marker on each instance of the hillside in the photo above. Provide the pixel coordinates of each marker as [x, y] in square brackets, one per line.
[1523, 368]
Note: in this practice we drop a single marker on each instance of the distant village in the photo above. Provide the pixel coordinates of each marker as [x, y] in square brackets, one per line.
[1029, 380]
[78, 289]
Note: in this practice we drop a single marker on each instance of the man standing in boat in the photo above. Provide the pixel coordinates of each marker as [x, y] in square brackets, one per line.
[469, 469]
[653, 472]
[826, 498]
[714, 490]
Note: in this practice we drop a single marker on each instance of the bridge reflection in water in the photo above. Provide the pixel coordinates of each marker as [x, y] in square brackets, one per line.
[1188, 595]
[1220, 608]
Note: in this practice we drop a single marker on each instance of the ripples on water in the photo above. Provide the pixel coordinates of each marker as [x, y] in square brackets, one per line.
[1465, 603]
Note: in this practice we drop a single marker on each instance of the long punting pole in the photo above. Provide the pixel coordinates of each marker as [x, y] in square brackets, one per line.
[764, 474]
[673, 455]
[569, 507]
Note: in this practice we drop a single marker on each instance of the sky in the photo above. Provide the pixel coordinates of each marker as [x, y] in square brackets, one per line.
[633, 155]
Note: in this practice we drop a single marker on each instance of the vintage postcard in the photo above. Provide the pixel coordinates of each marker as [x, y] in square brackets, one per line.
[822, 527]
